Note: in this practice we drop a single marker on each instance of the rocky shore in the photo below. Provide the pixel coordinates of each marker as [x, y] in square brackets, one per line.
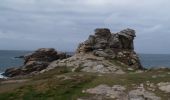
[1, 76]
[104, 67]
[35, 62]
[93, 55]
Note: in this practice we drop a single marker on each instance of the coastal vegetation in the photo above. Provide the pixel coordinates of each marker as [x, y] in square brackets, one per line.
[104, 67]
[61, 84]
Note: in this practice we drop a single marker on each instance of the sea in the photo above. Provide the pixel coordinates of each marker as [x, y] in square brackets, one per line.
[8, 59]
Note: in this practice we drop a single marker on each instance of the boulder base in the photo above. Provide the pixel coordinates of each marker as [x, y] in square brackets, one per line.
[118, 46]
[36, 62]
[99, 52]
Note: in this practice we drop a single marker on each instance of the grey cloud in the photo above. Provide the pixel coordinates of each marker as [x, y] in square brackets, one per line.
[62, 24]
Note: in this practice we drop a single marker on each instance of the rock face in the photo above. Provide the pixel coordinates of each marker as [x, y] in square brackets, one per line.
[117, 92]
[36, 62]
[104, 39]
[86, 63]
[98, 52]
[94, 55]
[164, 86]
[109, 45]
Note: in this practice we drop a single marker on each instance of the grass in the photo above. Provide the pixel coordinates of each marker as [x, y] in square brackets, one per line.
[47, 87]
[69, 86]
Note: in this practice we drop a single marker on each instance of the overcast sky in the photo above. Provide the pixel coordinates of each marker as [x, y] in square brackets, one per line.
[63, 24]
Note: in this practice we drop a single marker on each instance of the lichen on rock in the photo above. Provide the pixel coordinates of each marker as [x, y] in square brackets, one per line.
[164, 86]
[109, 45]
[95, 54]
[35, 62]
[118, 92]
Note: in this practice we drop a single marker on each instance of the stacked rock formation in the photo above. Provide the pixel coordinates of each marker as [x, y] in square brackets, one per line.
[100, 52]
[117, 46]
[96, 54]
[36, 62]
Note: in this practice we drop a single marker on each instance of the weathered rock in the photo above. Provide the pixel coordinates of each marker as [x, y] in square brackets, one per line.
[104, 39]
[36, 62]
[164, 86]
[126, 38]
[87, 63]
[117, 92]
[12, 72]
[102, 32]
[139, 94]
[43, 54]
[101, 53]
[95, 54]
[117, 46]
[129, 58]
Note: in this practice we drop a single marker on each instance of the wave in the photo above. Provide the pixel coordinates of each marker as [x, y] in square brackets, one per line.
[2, 77]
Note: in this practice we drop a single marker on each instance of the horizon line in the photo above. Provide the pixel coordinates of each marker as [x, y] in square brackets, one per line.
[73, 51]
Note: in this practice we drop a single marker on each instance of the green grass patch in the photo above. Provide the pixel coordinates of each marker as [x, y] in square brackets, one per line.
[61, 84]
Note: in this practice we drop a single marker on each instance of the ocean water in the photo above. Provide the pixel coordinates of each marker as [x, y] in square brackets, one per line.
[155, 60]
[7, 59]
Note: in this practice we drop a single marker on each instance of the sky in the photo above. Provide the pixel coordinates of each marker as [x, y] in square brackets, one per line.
[63, 24]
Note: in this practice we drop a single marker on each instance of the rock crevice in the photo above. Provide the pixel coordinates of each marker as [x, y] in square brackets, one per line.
[97, 53]
[117, 46]
[93, 55]
[36, 62]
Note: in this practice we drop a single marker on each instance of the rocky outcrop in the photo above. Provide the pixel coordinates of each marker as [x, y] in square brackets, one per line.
[118, 92]
[142, 94]
[101, 49]
[36, 62]
[109, 45]
[164, 86]
[104, 39]
[96, 54]
[86, 63]
[106, 92]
